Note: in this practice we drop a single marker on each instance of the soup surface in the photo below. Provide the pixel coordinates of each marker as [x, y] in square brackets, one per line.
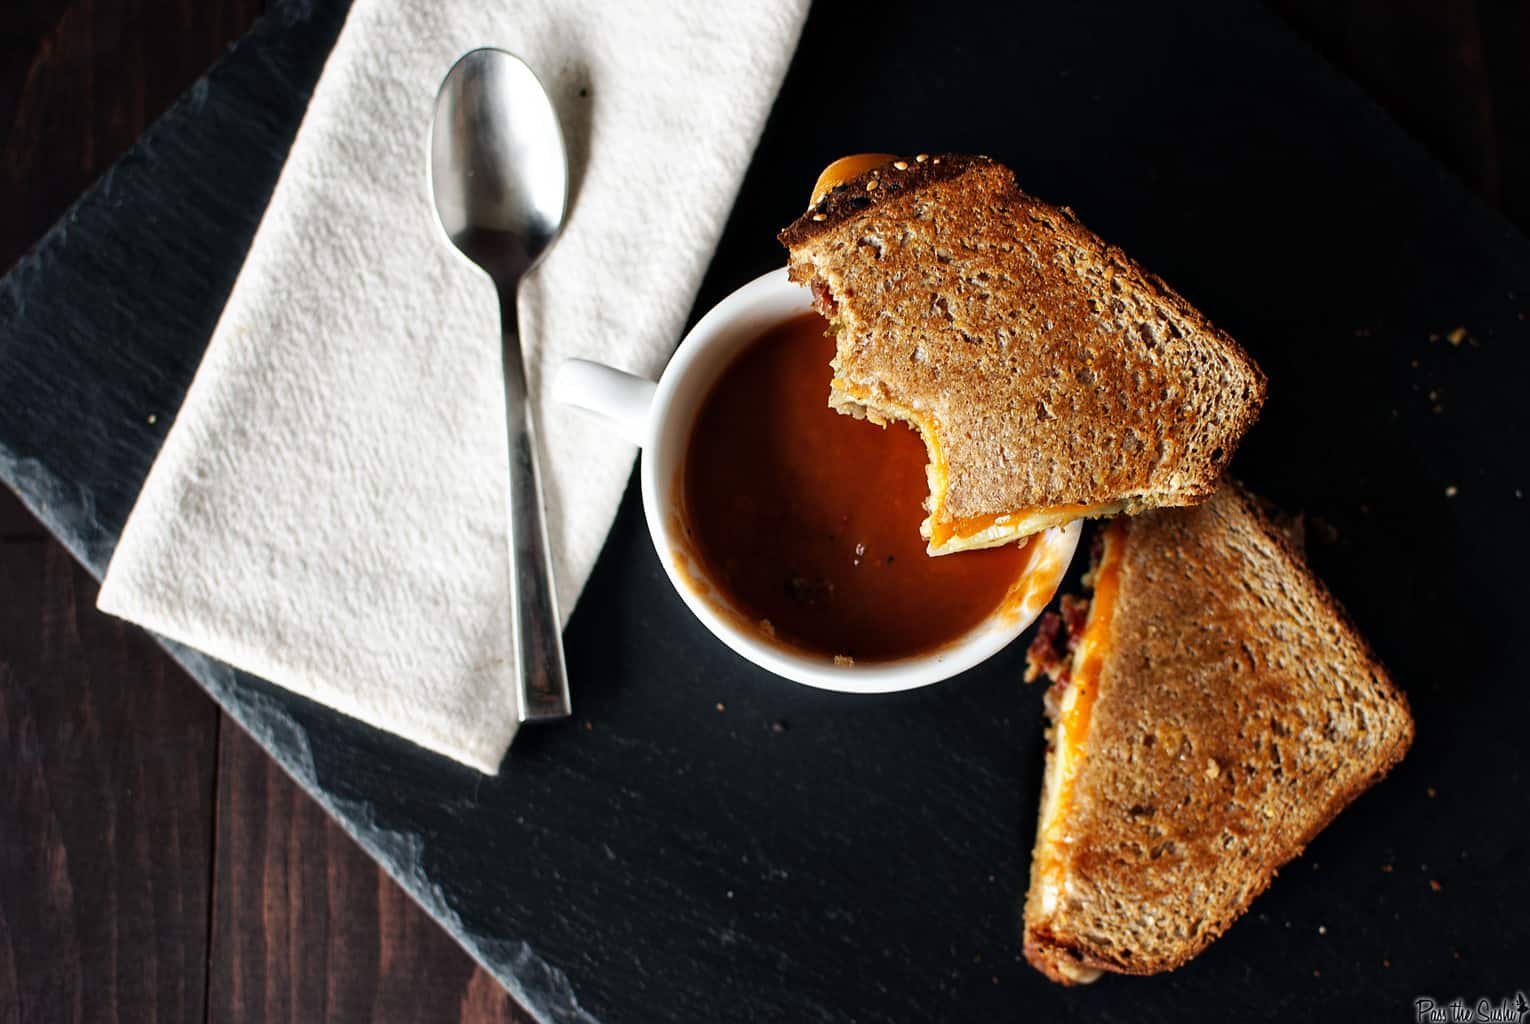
[808, 520]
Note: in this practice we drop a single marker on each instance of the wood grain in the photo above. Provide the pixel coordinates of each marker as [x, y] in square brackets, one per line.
[80, 80]
[1454, 73]
[16, 523]
[306, 927]
[105, 807]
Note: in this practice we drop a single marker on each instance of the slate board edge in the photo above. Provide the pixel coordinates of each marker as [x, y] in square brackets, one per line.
[536, 985]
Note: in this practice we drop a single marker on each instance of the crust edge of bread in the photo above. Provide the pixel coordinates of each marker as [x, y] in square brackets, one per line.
[846, 200]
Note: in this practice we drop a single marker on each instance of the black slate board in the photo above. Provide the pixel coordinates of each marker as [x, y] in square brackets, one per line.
[672, 861]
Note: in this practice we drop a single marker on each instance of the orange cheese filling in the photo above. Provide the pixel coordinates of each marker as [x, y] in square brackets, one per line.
[845, 168]
[1077, 706]
[971, 526]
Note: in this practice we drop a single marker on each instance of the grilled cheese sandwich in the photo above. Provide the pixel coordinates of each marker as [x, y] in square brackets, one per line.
[1049, 376]
[1210, 715]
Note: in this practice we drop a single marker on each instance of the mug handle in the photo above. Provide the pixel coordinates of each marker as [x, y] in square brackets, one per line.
[623, 400]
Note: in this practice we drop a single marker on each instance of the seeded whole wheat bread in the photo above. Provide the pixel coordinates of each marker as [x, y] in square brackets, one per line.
[1237, 713]
[1054, 369]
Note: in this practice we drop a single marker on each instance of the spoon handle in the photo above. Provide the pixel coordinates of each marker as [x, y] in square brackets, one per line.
[539, 669]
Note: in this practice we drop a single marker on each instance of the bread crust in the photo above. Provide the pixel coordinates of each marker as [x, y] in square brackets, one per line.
[1234, 725]
[851, 198]
[1044, 367]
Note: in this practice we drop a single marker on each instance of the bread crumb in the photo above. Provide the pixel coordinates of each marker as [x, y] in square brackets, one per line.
[1322, 929]
[1435, 885]
[843, 660]
[721, 706]
[1452, 490]
[768, 628]
[153, 419]
[1456, 336]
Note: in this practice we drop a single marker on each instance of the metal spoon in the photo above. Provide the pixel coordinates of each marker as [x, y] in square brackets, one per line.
[499, 172]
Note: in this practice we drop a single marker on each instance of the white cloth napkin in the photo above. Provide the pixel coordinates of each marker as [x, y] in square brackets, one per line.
[328, 511]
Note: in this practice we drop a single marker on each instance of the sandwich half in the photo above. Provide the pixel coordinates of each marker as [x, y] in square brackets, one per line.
[1050, 376]
[1212, 710]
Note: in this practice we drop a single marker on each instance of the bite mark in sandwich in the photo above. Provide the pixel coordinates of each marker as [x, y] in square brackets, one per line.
[1050, 376]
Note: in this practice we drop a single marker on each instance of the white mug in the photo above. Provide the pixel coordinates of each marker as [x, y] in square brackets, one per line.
[657, 417]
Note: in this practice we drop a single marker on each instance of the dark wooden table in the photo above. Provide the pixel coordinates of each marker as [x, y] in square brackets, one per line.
[154, 864]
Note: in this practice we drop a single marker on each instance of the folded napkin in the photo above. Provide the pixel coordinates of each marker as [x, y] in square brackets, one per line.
[328, 511]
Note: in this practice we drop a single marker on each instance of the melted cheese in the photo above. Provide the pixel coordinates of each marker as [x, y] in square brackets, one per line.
[1071, 730]
[988, 530]
[1076, 973]
[845, 168]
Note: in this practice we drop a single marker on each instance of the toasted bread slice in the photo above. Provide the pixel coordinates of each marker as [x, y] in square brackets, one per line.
[1050, 376]
[1217, 711]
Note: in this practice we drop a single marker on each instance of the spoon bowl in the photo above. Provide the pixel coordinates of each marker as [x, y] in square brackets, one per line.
[498, 165]
[499, 173]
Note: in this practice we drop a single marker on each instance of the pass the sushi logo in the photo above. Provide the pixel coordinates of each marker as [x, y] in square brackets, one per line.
[1513, 1009]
